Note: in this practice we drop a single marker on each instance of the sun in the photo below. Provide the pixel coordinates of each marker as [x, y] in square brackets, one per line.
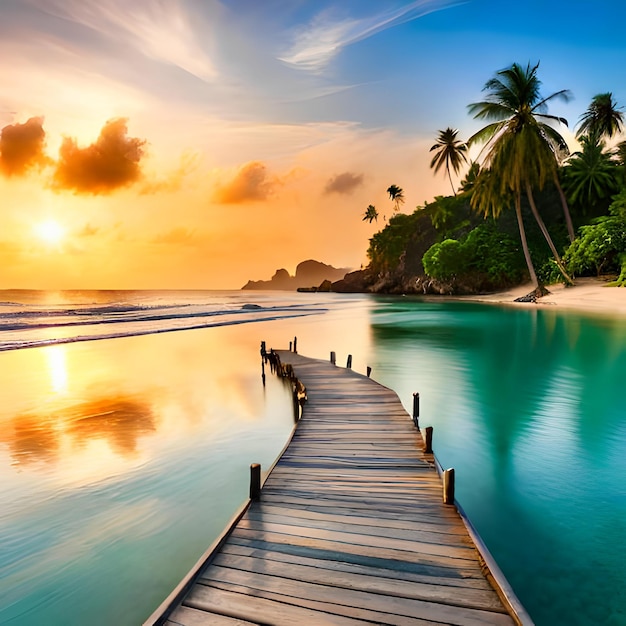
[49, 231]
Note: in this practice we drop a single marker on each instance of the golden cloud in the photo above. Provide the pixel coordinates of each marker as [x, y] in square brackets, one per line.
[22, 147]
[251, 183]
[111, 162]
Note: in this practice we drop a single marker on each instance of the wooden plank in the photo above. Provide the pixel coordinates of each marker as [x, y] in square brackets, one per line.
[408, 522]
[244, 604]
[471, 598]
[373, 568]
[186, 616]
[348, 536]
[349, 526]
[354, 604]
[347, 549]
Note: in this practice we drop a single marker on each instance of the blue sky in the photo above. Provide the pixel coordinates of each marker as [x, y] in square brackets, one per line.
[250, 110]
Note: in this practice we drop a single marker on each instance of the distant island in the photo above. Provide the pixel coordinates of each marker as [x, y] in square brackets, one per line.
[310, 276]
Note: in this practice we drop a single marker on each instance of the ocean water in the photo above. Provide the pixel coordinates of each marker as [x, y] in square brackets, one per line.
[125, 446]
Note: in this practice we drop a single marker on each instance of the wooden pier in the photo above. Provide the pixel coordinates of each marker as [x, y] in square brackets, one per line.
[350, 528]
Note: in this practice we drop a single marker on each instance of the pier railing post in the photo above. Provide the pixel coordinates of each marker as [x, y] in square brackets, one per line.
[333, 358]
[416, 410]
[255, 481]
[295, 344]
[448, 486]
[369, 371]
[290, 345]
[349, 362]
[428, 440]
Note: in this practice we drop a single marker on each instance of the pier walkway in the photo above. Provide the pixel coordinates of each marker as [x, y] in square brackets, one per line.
[350, 528]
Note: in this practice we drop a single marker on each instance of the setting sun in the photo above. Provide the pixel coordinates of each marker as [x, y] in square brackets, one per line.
[49, 231]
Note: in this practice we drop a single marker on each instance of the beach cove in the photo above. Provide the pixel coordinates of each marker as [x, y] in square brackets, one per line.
[524, 400]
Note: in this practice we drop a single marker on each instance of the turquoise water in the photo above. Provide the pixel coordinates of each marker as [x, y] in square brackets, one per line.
[528, 407]
[122, 459]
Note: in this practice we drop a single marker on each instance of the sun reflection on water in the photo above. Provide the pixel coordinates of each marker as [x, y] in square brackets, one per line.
[57, 366]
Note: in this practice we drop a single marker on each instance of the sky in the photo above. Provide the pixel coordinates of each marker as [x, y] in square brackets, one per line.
[196, 144]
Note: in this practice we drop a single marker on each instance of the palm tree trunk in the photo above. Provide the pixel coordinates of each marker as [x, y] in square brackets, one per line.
[450, 177]
[568, 217]
[522, 234]
[546, 234]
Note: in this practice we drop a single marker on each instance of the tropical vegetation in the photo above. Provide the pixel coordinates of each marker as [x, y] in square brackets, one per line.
[526, 209]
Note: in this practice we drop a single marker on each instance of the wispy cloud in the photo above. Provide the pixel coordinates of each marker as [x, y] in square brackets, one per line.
[159, 29]
[326, 35]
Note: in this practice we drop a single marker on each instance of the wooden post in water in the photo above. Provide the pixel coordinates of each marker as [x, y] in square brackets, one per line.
[255, 481]
[349, 363]
[295, 344]
[369, 371]
[416, 410]
[296, 403]
[333, 358]
[448, 486]
[428, 440]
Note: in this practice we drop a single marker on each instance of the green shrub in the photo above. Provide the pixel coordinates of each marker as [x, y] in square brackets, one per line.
[486, 258]
[600, 245]
[445, 260]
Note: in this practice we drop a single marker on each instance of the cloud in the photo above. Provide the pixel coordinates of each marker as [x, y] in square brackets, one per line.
[160, 29]
[109, 163]
[22, 147]
[344, 183]
[251, 183]
[189, 162]
[317, 43]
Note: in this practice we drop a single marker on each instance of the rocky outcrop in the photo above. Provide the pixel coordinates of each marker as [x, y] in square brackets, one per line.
[310, 275]
[360, 281]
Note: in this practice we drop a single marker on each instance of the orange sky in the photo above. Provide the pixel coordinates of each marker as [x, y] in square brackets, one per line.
[136, 210]
[196, 144]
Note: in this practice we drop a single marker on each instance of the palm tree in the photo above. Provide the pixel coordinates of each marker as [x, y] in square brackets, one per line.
[522, 150]
[591, 176]
[602, 117]
[450, 152]
[371, 214]
[397, 195]
[467, 184]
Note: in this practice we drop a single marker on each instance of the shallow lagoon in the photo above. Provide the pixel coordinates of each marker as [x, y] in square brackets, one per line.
[103, 515]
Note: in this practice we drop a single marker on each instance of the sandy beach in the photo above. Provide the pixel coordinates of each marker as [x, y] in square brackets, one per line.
[589, 295]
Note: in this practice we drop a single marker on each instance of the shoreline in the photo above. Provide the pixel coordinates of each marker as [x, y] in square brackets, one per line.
[588, 295]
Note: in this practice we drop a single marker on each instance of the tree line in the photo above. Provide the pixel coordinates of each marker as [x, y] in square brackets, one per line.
[575, 203]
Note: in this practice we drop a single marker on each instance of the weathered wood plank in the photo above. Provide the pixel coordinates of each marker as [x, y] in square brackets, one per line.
[347, 535]
[471, 598]
[352, 526]
[409, 523]
[374, 568]
[185, 616]
[354, 604]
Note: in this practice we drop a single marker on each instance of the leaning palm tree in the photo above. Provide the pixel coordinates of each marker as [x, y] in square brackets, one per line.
[397, 196]
[371, 214]
[602, 118]
[491, 198]
[522, 150]
[450, 152]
